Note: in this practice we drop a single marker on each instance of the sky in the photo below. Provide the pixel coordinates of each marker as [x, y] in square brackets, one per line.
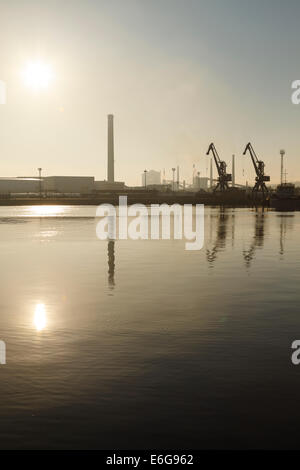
[176, 74]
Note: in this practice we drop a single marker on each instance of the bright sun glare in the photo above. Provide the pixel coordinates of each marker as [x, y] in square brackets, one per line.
[41, 211]
[40, 319]
[38, 75]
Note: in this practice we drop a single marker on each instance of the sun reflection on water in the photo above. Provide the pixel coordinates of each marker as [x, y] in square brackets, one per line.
[40, 318]
[41, 211]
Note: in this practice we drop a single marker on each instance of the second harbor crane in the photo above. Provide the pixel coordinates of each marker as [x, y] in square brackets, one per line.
[223, 176]
[259, 166]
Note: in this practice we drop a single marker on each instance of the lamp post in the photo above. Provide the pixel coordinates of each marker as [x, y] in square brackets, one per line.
[282, 153]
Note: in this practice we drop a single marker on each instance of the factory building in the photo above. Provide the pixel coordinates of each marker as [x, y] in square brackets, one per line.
[151, 178]
[68, 184]
[200, 183]
[107, 186]
[19, 185]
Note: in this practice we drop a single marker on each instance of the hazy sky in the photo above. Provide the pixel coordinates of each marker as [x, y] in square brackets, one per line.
[177, 74]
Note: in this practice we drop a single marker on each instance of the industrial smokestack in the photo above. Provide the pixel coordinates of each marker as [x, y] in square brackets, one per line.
[211, 174]
[233, 171]
[110, 149]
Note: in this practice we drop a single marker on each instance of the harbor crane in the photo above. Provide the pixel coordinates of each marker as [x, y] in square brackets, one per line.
[259, 166]
[223, 177]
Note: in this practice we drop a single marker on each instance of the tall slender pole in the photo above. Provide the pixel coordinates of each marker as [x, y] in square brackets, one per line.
[233, 171]
[110, 149]
[282, 153]
[40, 181]
[173, 169]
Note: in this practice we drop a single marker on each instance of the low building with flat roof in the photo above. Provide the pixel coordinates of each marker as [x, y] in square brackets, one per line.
[68, 184]
[19, 185]
[107, 186]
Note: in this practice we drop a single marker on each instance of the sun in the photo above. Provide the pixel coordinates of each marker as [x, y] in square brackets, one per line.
[38, 75]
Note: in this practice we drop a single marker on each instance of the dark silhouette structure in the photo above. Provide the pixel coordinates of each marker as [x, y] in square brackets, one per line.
[110, 149]
[220, 242]
[261, 178]
[223, 177]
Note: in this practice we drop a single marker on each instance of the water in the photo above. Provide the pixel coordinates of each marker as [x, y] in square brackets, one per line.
[141, 344]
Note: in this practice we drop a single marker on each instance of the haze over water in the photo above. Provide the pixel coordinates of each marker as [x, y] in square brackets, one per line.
[141, 344]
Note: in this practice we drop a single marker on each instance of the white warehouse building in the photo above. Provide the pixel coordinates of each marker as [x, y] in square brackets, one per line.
[200, 182]
[152, 177]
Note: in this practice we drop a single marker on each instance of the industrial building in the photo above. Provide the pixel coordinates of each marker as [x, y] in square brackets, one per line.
[19, 185]
[200, 183]
[68, 184]
[151, 177]
[107, 186]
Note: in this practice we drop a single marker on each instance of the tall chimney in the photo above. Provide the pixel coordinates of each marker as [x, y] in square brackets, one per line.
[110, 149]
[233, 171]
[211, 174]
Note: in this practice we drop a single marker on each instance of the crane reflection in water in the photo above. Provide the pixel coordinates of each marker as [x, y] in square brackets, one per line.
[223, 230]
[220, 242]
[258, 237]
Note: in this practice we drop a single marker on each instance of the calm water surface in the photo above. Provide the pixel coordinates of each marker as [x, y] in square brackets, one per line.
[141, 344]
